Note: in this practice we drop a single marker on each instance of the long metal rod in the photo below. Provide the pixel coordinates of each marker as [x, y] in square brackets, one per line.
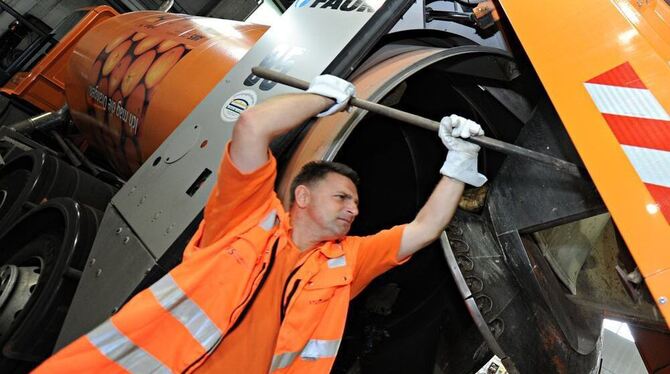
[413, 119]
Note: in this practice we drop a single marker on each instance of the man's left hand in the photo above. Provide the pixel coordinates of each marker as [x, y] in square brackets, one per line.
[461, 162]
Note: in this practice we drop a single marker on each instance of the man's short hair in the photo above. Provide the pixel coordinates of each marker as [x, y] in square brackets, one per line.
[315, 171]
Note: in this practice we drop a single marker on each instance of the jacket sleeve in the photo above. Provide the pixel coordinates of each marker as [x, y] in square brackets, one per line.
[236, 197]
[375, 255]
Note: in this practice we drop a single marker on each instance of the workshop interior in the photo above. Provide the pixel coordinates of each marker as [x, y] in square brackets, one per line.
[114, 116]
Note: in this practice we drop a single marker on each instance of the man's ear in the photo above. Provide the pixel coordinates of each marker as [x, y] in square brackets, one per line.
[302, 196]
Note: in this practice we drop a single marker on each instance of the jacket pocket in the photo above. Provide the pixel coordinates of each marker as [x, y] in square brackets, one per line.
[322, 286]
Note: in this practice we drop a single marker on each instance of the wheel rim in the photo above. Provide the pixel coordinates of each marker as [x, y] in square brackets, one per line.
[17, 284]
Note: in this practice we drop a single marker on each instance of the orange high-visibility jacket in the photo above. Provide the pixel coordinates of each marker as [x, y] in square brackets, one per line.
[177, 322]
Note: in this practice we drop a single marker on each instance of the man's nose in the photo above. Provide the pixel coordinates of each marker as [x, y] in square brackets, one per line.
[352, 209]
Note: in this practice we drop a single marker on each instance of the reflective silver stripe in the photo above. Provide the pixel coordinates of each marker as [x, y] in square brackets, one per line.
[315, 349]
[174, 300]
[282, 360]
[269, 221]
[115, 346]
[337, 262]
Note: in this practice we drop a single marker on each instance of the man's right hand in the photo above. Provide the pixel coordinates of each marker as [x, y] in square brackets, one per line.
[461, 162]
[335, 88]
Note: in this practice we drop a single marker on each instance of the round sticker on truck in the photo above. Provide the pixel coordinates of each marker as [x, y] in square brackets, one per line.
[237, 104]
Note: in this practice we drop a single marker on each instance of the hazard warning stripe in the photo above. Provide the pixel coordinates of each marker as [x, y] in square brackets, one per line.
[624, 101]
[662, 197]
[652, 165]
[640, 124]
[642, 132]
[621, 76]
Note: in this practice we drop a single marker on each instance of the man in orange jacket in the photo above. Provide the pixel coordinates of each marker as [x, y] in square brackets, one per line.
[261, 289]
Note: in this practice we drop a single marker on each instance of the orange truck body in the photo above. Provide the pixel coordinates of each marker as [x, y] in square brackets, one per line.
[605, 68]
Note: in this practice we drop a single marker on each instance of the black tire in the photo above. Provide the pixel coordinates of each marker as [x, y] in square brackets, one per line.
[54, 240]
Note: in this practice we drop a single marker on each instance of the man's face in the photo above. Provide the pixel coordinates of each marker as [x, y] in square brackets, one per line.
[333, 205]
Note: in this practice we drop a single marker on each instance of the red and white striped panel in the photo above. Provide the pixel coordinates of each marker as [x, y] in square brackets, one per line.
[640, 124]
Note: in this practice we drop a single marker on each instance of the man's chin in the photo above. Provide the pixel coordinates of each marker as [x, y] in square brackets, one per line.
[341, 233]
[344, 230]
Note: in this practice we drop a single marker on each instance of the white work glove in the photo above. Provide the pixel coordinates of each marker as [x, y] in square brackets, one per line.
[461, 160]
[335, 88]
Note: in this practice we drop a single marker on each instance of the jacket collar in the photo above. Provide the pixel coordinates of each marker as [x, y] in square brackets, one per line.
[332, 249]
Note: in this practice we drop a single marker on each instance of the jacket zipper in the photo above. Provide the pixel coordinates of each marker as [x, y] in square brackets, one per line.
[284, 305]
[244, 311]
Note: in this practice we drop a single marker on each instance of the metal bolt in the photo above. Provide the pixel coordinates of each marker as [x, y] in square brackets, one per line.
[132, 190]
[142, 200]
[169, 229]
[98, 272]
[119, 230]
[126, 240]
[156, 216]
[662, 300]
[90, 263]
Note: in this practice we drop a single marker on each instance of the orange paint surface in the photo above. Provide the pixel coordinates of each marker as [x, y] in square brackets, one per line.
[569, 44]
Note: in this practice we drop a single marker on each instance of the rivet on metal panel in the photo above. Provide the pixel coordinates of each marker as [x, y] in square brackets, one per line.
[662, 300]
[98, 272]
[91, 262]
[132, 190]
[119, 230]
[169, 229]
[142, 200]
[126, 240]
[156, 216]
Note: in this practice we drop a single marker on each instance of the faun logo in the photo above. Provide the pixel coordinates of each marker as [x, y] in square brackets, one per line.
[343, 5]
